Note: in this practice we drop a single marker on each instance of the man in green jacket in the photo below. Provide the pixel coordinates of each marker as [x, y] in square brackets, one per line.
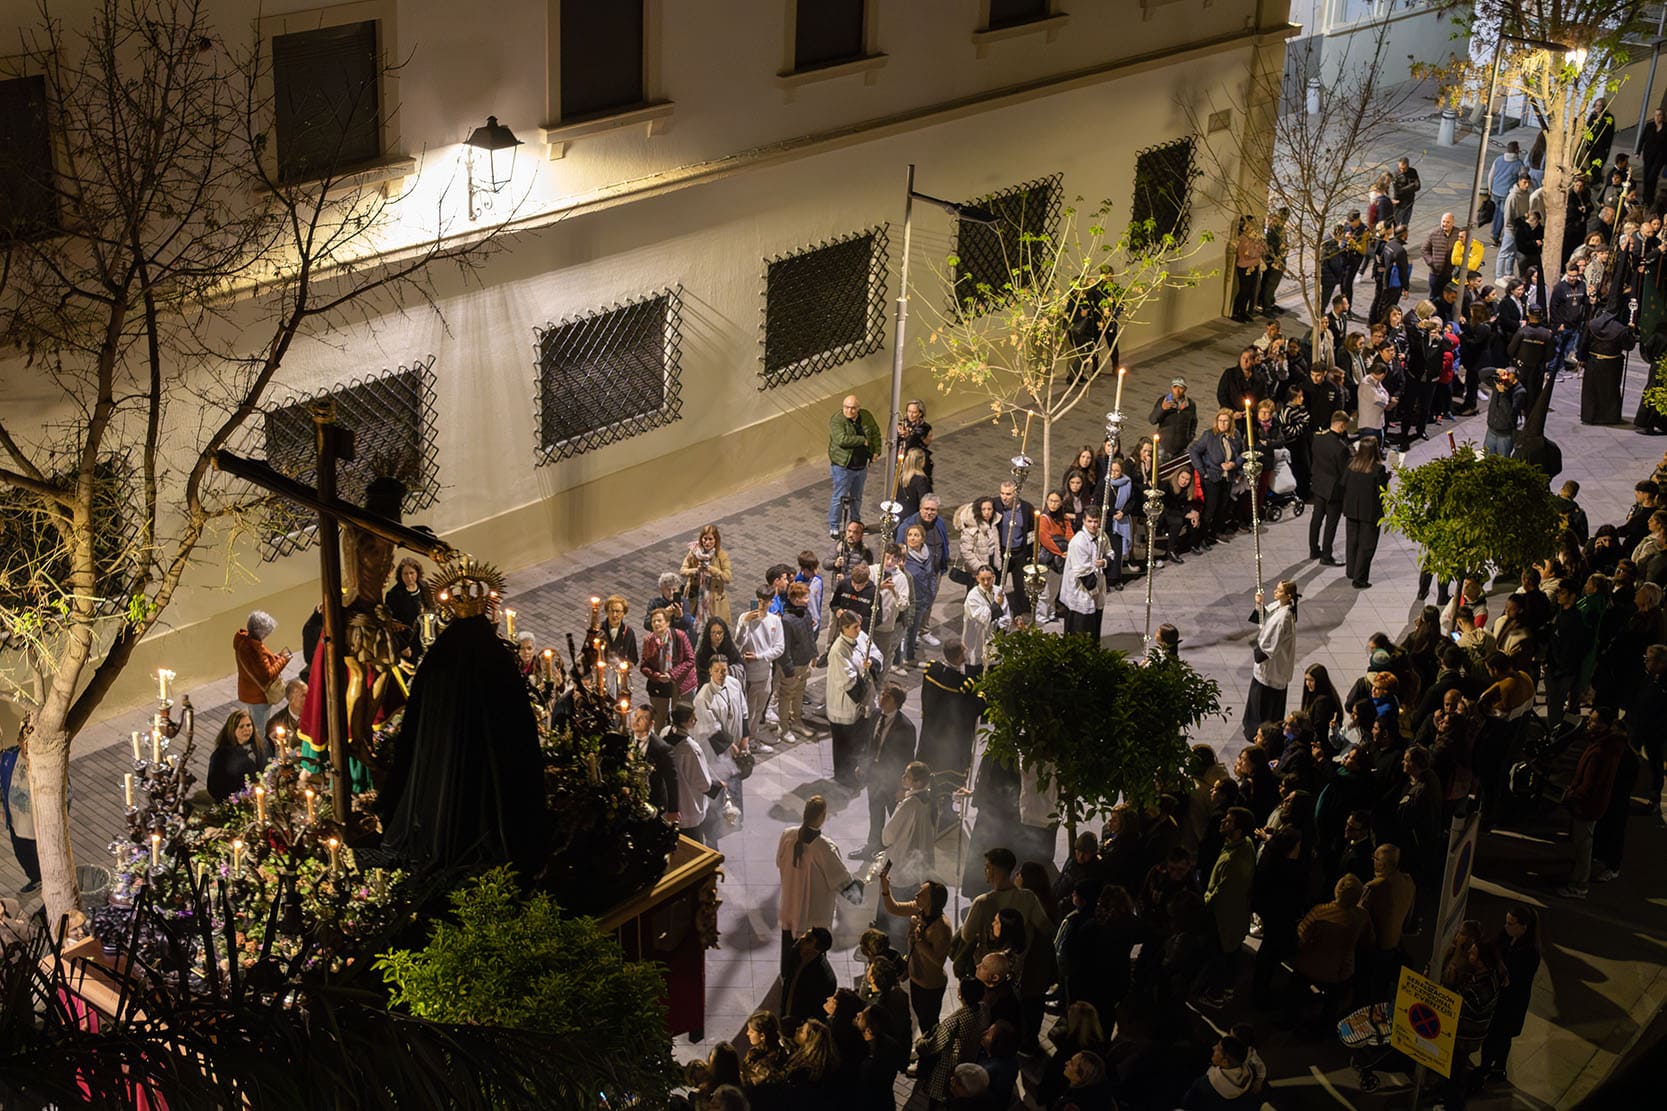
[853, 443]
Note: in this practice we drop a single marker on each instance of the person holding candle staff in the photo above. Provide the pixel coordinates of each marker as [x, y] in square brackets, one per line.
[1275, 651]
[234, 759]
[1082, 585]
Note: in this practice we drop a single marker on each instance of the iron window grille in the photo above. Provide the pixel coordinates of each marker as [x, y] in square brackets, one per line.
[824, 305]
[989, 258]
[1163, 177]
[391, 417]
[609, 375]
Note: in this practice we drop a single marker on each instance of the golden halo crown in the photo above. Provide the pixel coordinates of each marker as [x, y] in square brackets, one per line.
[468, 587]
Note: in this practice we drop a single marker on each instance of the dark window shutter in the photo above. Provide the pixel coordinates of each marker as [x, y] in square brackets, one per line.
[1011, 13]
[601, 56]
[325, 97]
[824, 306]
[827, 32]
[1162, 203]
[28, 197]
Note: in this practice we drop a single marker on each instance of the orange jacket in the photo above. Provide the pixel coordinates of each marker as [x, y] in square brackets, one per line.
[257, 666]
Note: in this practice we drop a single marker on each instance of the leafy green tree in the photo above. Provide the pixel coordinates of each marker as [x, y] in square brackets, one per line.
[1469, 513]
[520, 963]
[1098, 725]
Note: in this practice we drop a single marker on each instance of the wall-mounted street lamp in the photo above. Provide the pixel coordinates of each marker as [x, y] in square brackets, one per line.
[494, 139]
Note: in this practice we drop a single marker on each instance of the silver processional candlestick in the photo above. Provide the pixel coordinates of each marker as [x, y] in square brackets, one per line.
[1154, 508]
[1253, 472]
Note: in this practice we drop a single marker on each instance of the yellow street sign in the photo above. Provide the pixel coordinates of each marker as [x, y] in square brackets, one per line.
[1426, 1021]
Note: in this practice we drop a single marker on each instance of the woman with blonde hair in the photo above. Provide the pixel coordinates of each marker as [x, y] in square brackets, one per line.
[619, 640]
[707, 572]
[913, 483]
[814, 1059]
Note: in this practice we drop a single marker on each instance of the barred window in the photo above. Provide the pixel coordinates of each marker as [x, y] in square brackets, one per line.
[28, 197]
[823, 306]
[990, 257]
[391, 417]
[1162, 205]
[325, 100]
[609, 375]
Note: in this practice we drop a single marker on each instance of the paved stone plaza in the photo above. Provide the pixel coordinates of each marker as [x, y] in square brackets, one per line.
[1603, 980]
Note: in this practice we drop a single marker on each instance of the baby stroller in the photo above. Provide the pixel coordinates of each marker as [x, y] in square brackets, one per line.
[1282, 489]
[1365, 1034]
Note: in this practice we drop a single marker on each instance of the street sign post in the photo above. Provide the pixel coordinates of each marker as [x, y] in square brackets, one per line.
[1426, 1021]
[1455, 882]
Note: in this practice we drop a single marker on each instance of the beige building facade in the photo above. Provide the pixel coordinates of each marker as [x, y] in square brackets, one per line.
[644, 339]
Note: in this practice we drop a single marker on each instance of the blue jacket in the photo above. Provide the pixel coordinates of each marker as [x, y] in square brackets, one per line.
[939, 544]
[1208, 453]
[1503, 177]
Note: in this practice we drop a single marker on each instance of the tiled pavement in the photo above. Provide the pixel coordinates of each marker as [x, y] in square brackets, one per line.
[1603, 978]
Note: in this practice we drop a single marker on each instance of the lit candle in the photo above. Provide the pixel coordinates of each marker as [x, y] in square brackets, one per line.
[127, 789]
[625, 676]
[278, 734]
[625, 714]
[332, 844]
[425, 625]
[1154, 459]
[155, 850]
[310, 797]
[237, 857]
[162, 677]
[136, 756]
[601, 673]
[595, 610]
[1249, 426]
[260, 804]
[549, 665]
[156, 746]
[198, 872]
[1117, 404]
[173, 761]
[509, 623]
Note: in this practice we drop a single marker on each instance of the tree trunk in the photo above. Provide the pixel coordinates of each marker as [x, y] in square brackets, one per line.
[1047, 460]
[1555, 186]
[49, 790]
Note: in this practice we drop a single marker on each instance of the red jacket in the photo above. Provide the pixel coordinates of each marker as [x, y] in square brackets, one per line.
[1594, 776]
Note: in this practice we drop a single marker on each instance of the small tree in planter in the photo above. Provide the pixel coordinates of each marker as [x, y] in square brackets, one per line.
[524, 965]
[1467, 513]
[1099, 726]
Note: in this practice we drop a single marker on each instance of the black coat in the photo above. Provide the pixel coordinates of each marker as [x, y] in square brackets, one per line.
[890, 759]
[1363, 494]
[949, 709]
[662, 774]
[1330, 462]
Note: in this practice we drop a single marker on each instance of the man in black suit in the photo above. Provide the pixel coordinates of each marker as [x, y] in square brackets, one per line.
[1330, 461]
[949, 709]
[891, 748]
[662, 770]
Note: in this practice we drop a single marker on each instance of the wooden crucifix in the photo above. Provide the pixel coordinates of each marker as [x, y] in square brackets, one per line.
[334, 444]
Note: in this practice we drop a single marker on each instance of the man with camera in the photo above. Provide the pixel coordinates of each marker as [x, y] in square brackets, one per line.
[1506, 397]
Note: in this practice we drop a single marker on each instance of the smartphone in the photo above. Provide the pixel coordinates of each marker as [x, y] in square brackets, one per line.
[1456, 635]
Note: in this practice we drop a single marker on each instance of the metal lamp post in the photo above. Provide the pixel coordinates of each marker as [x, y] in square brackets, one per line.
[974, 213]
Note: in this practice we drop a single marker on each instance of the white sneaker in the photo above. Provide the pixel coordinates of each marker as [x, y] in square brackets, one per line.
[771, 718]
[787, 737]
[760, 746]
[1604, 875]
[930, 641]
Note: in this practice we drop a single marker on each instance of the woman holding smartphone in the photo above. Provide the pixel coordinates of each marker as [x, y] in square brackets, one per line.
[929, 938]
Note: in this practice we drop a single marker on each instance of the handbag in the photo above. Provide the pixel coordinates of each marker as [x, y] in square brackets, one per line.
[1089, 581]
[745, 762]
[276, 692]
[959, 574]
[858, 690]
